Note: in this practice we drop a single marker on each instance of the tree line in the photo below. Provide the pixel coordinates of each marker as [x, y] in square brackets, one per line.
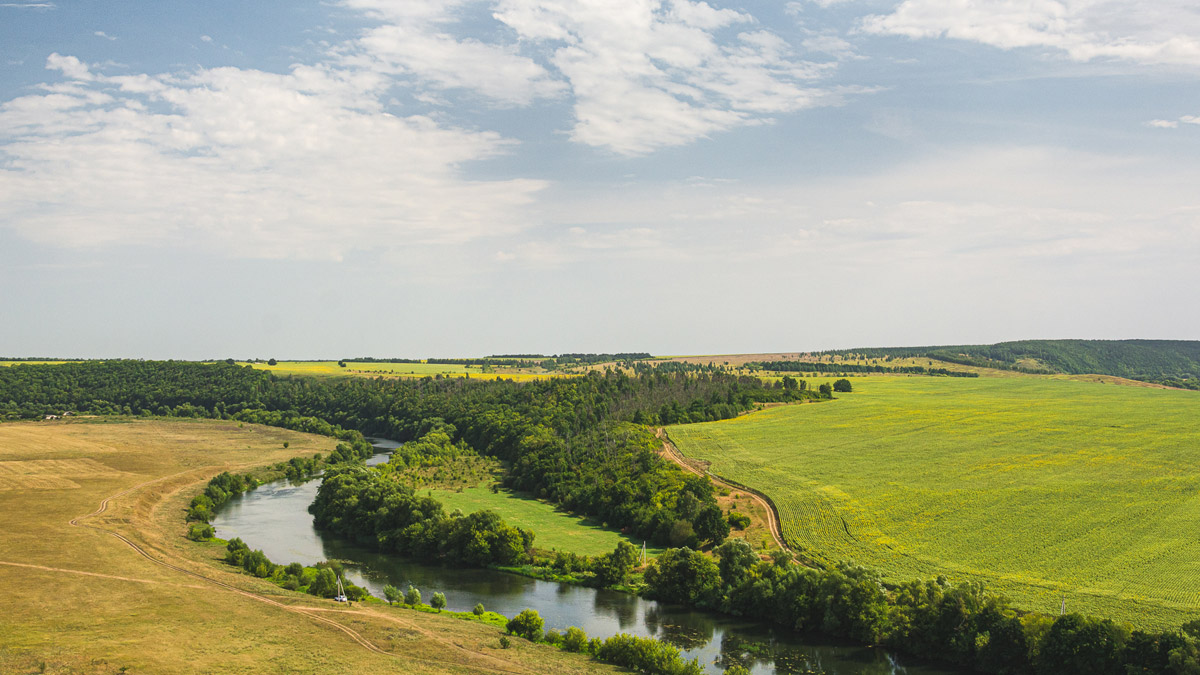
[962, 624]
[822, 367]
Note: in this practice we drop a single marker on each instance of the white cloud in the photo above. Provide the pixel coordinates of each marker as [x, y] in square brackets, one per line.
[304, 164]
[1174, 124]
[206, 38]
[29, 5]
[69, 66]
[104, 35]
[653, 74]
[1149, 32]
[987, 209]
[443, 61]
[643, 75]
[415, 39]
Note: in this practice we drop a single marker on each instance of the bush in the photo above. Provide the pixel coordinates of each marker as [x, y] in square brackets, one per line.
[478, 611]
[739, 521]
[575, 640]
[527, 624]
[438, 601]
[505, 642]
[646, 655]
[412, 596]
[553, 637]
[392, 594]
[842, 386]
[200, 532]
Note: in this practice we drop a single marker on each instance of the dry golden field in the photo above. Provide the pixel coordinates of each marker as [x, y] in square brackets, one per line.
[76, 598]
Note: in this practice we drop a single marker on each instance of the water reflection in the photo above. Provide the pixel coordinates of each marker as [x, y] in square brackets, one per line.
[275, 518]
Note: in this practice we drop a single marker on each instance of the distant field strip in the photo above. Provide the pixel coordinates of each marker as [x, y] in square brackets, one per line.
[51, 474]
[1042, 488]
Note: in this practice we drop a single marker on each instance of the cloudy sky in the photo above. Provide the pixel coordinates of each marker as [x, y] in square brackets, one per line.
[304, 179]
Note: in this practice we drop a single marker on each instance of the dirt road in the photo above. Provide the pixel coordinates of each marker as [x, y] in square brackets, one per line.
[671, 452]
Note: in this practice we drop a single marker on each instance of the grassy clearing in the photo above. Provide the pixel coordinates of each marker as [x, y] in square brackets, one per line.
[1040, 487]
[554, 529]
[79, 600]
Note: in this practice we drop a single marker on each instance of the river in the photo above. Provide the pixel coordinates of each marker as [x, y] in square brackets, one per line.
[274, 517]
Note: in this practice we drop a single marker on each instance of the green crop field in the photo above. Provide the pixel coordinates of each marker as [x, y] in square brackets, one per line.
[553, 529]
[1041, 488]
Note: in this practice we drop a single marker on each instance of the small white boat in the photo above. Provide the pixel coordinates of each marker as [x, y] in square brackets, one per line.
[341, 596]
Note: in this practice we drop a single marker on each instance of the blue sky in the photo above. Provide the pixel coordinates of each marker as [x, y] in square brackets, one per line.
[413, 178]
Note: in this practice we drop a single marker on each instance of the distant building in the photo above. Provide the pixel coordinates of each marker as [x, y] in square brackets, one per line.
[51, 417]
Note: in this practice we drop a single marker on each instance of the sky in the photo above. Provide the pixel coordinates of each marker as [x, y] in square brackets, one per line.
[409, 178]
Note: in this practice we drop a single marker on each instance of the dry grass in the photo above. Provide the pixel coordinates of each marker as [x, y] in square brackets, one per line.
[81, 600]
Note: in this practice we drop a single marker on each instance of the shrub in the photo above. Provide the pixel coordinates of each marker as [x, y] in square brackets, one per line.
[505, 642]
[478, 611]
[527, 624]
[553, 637]
[438, 601]
[392, 594]
[200, 532]
[575, 640]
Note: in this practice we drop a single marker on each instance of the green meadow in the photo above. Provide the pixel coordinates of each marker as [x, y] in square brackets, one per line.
[1044, 489]
[553, 529]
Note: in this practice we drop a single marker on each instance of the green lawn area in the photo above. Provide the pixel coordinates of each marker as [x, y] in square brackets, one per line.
[553, 529]
[1041, 488]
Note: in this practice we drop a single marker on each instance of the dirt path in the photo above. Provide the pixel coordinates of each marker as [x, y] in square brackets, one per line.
[672, 453]
[490, 663]
[354, 635]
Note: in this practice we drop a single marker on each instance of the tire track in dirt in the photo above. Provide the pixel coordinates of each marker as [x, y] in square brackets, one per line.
[672, 453]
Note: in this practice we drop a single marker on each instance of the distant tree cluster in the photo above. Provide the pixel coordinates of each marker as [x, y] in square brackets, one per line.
[838, 367]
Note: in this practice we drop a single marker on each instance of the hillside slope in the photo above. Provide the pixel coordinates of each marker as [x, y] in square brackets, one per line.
[1167, 361]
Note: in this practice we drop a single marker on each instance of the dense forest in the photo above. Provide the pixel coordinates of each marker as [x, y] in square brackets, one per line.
[578, 442]
[1172, 362]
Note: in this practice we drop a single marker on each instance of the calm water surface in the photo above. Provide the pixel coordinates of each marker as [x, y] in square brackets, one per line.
[275, 518]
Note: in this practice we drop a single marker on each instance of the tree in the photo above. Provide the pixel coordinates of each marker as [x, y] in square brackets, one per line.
[412, 596]
[711, 525]
[527, 624]
[684, 576]
[438, 601]
[1079, 644]
[611, 568]
[392, 594]
[737, 557]
[842, 385]
[790, 383]
[272, 362]
[825, 390]
[478, 610]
